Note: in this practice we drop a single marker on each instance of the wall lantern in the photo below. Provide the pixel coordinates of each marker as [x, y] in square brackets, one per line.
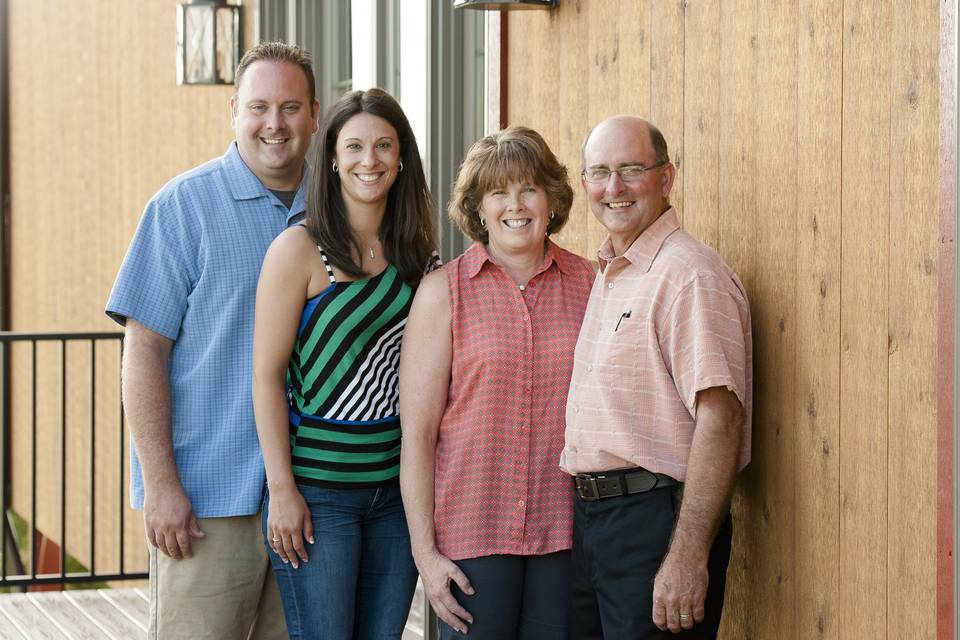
[208, 42]
[492, 5]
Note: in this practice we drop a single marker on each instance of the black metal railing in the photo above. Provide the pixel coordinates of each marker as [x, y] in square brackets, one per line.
[19, 360]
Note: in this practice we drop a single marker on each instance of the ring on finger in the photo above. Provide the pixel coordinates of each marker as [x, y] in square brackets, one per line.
[684, 616]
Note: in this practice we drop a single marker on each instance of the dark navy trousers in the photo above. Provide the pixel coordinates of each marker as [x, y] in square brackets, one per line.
[618, 545]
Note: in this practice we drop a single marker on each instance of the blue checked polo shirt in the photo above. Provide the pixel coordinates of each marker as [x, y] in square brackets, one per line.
[190, 274]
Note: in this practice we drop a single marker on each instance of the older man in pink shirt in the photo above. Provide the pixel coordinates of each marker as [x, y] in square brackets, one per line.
[659, 411]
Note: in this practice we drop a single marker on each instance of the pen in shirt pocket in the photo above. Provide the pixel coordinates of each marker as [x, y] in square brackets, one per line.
[625, 314]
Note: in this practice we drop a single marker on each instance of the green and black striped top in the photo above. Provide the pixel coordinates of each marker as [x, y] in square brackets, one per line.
[343, 394]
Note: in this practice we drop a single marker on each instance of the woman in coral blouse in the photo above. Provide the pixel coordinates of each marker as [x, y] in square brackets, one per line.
[485, 365]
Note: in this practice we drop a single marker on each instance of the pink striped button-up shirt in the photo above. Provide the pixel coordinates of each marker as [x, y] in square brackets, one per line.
[665, 320]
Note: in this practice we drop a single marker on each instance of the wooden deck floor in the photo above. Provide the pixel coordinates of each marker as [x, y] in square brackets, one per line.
[104, 614]
[95, 614]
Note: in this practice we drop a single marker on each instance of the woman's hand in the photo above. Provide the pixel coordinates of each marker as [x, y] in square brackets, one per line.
[437, 572]
[288, 525]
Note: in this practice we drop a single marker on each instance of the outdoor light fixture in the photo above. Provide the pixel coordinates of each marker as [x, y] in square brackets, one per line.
[495, 5]
[208, 42]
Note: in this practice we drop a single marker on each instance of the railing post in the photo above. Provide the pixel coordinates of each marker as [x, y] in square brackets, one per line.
[122, 503]
[8, 548]
[33, 460]
[63, 458]
[93, 455]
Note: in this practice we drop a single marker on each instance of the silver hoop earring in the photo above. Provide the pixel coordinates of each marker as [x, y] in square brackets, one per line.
[400, 168]
[483, 222]
[335, 168]
[552, 214]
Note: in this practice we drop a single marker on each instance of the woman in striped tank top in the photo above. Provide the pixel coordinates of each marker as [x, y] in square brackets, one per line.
[332, 303]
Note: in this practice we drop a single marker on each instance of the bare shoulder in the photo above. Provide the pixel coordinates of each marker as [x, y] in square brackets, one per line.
[293, 247]
[293, 239]
[433, 289]
[289, 257]
[431, 305]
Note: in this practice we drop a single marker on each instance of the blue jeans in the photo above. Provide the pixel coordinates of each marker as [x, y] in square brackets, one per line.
[360, 579]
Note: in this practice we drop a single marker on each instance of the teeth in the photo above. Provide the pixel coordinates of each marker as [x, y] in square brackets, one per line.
[274, 140]
[618, 205]
[517, 223]
[367, 178]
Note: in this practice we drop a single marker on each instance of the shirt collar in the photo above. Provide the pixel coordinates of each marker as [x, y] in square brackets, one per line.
[476, 256]
[646, 247]
[245, 185]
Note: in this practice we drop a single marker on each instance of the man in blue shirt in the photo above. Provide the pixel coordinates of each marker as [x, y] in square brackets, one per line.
[185, 293]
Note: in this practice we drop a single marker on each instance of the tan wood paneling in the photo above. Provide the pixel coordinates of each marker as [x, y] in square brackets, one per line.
[912, 414]
[701, 125]
[625, 60]
[100, 115]
[817, 366]
[666, 83]
[807, 137]
[864, 305]
[761, 242]
[735, 235]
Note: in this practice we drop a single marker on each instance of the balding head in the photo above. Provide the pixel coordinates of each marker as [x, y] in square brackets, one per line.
[627, 123]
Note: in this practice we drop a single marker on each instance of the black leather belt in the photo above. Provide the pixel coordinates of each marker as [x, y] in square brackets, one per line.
[621, 482]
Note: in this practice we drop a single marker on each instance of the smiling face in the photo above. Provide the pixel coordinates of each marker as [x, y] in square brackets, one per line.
[367, 159]
[626, 209]
[274, 120]
[516, 214]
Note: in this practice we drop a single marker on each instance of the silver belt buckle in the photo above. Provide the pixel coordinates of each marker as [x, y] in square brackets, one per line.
[584, 482]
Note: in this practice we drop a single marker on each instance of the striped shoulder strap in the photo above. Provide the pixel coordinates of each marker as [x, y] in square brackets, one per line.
[326, 264]
[434, 264]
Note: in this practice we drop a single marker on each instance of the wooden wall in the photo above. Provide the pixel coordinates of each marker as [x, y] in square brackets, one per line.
[97, 126]
[806, 138]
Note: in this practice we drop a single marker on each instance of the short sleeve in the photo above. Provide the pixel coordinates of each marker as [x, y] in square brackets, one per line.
[160, 269]
[703, 339]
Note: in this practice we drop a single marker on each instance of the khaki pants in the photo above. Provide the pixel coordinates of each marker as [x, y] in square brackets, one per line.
[225, 591]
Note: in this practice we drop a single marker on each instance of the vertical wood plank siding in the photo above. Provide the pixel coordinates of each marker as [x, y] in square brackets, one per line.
[816, 407]
[806, 134]
[913, 95]
[864, 315]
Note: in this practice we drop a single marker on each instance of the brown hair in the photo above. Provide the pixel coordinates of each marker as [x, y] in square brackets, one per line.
[407, 231]
[278, 52]
[516, 153]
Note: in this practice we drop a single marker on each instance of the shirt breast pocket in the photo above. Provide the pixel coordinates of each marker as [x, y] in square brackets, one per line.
[620, 349]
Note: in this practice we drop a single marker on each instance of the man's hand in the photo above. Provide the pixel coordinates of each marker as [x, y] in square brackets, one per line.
[680, 587]
[169, 521]
[168, 516]
[437, 572]
[679, 590]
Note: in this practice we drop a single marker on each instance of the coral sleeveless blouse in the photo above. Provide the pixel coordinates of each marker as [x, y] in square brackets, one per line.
[498, 488]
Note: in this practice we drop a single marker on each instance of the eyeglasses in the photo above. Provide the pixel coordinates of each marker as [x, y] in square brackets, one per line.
[627, 173]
